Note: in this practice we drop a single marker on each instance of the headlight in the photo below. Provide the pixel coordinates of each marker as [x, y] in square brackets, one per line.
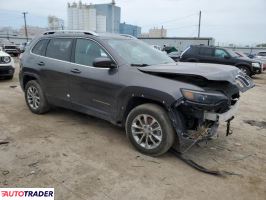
[256, 65]
[203, 97]
[6, 59]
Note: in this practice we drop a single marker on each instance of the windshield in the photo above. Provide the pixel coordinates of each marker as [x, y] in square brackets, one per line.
[136, 52]
[232, 53]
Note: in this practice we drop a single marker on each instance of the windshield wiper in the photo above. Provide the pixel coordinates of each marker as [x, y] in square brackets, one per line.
[139, 65]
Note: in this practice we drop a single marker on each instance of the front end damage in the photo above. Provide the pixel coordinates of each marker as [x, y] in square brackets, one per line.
[194, 121]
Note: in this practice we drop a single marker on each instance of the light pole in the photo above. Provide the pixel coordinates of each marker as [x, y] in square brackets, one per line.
[25, 25]
[199, 24]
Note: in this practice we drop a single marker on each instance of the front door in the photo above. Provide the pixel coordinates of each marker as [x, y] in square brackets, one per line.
[93, 90]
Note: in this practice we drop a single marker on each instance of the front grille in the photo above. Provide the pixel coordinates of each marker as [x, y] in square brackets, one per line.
[4, 70]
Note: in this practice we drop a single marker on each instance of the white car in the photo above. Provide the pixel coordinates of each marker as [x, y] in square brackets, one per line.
[7, 66]
[261, 55]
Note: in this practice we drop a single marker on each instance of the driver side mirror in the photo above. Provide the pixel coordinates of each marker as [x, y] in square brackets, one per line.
[104, 62]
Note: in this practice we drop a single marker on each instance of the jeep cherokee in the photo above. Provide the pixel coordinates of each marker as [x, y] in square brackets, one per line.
[118, 78]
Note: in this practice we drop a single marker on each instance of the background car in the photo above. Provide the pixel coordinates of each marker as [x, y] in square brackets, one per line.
[7, 67]
[262, 62]
[11, 49]
[261, 54]
[218, 55]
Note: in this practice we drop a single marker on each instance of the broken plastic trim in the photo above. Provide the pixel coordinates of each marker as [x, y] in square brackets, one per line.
[244, 82]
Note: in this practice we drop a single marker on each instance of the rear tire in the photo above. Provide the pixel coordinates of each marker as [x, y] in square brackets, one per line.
[150, 130]
[35, 98]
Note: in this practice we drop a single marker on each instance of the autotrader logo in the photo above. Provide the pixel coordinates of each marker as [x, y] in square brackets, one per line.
[26, 193]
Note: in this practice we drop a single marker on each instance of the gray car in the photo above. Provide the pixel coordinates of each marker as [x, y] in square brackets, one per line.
[160, 103]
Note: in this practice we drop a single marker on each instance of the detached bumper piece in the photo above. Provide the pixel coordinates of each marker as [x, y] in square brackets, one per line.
[244, 82]
[223, 117]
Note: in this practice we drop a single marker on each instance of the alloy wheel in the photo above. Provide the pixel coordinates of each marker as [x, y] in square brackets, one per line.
[146, 131]
[33, 97]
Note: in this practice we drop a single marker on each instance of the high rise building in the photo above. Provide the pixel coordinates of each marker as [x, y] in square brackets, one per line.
[81, 16]
[113, 16]
[130, 29]
[94, 17]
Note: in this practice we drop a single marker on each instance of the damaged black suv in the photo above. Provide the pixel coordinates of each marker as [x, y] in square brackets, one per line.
[161, 104]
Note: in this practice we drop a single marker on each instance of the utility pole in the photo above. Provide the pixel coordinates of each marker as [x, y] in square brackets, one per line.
[199, 24]
[25, 24]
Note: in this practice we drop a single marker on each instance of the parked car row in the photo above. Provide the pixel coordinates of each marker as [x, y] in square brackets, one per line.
[218, 55]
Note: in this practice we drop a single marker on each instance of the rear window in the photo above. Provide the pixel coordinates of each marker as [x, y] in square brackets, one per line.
[40, 47]
[59, 48]
[205, 51]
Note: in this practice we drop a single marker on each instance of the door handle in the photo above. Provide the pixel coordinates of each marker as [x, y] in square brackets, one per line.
[76, 71]
[41, 63]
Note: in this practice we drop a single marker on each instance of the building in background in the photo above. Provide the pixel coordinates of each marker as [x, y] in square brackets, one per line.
[101, 24]
[113, 16]
[180, 43]
[55, 23]
[94, 17]
[81, 16]
[130, 29]
[156, 33]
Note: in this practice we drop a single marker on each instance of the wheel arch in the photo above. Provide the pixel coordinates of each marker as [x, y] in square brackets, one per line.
[29, 77]
[136, 101]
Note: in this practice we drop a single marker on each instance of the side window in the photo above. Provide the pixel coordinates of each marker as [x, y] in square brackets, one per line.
[205, 51]
[59, 48]
[86, 52]
[40, 47]
[262, 54]
[220, 53]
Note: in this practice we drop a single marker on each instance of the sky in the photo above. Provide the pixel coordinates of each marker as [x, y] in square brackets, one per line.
[242, 22]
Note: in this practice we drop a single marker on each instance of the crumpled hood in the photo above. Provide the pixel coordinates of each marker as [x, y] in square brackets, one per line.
[212, 72]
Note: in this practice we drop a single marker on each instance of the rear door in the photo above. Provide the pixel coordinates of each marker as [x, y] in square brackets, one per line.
[55, 66]
[93, 90]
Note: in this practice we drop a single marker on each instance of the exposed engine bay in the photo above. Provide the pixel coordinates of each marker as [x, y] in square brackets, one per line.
[197, 115]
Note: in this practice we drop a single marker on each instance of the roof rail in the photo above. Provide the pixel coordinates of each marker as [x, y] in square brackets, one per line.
[70, 31]
[129, 36]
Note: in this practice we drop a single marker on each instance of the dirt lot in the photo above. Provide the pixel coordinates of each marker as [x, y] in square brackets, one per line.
[86, 158]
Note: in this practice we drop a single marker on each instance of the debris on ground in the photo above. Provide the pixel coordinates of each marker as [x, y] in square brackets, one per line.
[4, 142]
[260, 124]
[13, 86]
[220, 173]
[5, 172]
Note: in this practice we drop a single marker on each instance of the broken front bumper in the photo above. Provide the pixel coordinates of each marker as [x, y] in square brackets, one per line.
[223, 117]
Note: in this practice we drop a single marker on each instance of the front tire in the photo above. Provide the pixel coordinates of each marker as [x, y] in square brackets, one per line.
[245, 70]
[35, 98]
[150, 130]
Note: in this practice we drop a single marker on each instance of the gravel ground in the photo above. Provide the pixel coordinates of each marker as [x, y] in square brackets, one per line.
[86, 158]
